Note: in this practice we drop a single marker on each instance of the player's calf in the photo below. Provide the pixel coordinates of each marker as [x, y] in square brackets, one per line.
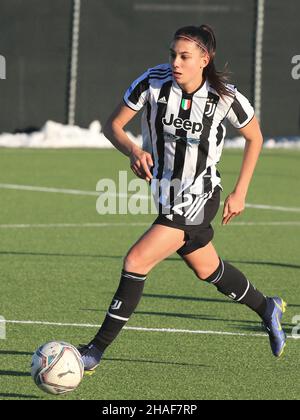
[123, 305]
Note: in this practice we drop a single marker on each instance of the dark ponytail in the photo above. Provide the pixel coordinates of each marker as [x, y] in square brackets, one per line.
[204, 35]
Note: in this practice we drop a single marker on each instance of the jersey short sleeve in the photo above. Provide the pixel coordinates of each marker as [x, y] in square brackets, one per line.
[137, 94]
[241, 111]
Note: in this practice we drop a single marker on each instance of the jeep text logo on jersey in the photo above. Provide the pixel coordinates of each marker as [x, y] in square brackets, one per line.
[2, 67]
[187, 125]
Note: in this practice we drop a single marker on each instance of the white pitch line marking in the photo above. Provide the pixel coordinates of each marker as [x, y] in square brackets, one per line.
[111, 225]
[47, 189]
[142, 197]
[290, 223]
[71, 225]
[165, 330]
[273, 208]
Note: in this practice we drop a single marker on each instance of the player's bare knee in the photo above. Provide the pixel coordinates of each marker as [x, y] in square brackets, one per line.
[130, 263]
[134, 264]
[204, 272]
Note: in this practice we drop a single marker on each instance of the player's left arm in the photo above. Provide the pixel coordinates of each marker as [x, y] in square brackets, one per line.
[235, 203]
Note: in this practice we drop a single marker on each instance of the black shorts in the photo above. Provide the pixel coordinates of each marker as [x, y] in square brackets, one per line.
[197, 236]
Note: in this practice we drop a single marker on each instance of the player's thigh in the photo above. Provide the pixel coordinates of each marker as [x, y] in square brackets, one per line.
[158, 243]
[204, 261]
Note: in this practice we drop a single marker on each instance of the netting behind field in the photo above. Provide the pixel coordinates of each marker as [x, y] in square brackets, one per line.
[58, 62]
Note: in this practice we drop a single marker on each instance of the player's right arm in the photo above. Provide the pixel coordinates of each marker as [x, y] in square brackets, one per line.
[140, 161]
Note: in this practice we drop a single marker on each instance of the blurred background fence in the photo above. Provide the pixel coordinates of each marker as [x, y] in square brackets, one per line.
[72, 60]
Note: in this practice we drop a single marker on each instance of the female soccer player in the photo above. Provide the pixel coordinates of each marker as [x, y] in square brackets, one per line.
[185, 104]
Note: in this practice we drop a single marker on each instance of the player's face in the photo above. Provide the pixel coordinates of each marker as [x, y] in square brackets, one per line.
[187, 61]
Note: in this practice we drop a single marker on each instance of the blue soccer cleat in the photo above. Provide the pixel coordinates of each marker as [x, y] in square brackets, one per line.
[90, 356]
[276, 307]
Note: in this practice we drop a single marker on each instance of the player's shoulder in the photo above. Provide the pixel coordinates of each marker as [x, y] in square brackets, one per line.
[160, 72]
[225, 100]
[233, 95]
[235, 91]
[160, 68]
[231, 88]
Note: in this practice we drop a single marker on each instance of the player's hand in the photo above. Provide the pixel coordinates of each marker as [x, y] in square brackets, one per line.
[234, 205]
[140, 163]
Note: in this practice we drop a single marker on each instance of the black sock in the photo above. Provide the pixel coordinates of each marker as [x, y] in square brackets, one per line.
[122, 307]
[232, 283]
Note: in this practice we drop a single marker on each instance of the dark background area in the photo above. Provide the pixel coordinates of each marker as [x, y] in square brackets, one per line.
[35, 41]
[120, 39]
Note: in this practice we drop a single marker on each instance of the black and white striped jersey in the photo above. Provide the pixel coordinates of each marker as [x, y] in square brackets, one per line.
[185, 135]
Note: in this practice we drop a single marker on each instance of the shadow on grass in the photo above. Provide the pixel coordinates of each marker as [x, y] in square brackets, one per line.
[200, 299]
[118, 257]
[14, 373]
[187, 298]
[237, 324]
[269, 263]
[251, 325]
[8, 395]
[16, 353]
[174, 297]
[260, 329]
[156, 362]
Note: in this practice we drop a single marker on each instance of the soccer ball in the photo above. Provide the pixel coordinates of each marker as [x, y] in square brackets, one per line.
[57, 367]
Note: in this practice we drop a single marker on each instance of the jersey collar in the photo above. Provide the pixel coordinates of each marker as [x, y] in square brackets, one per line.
[199, 93]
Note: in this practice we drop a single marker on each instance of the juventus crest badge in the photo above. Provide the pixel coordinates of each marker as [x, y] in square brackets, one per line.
[210, 109]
